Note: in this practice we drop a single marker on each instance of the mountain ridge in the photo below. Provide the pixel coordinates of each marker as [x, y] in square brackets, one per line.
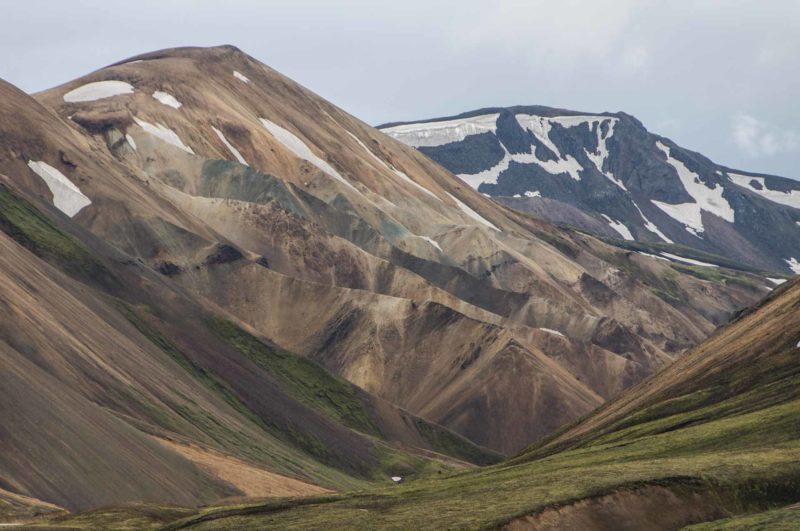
[607, 174]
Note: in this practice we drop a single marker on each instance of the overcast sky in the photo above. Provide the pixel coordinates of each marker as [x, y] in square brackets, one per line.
[719, 77]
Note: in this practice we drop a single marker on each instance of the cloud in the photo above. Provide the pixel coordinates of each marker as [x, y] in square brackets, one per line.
[760, 139]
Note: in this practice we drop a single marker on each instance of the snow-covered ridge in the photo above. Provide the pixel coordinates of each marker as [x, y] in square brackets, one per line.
[791, 198]
[233, 150]
[301, 150]
[705, 198]
[164, 133]
[432, 134]
[391, 168]
[67, 197]
[98, 90]
[474, 215]
[167, 99]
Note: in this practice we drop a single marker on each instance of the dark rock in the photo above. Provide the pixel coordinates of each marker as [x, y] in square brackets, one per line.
[224, 254]
[169, 269]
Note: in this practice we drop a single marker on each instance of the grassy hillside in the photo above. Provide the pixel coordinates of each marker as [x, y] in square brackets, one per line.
[716, 436]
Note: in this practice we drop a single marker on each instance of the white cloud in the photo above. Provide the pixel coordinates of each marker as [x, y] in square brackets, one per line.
[758, 138]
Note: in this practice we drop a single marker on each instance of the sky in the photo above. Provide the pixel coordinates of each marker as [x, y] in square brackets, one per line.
[721, 77]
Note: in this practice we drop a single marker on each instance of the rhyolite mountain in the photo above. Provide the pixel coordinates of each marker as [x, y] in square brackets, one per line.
[214, 283]
[605, 173]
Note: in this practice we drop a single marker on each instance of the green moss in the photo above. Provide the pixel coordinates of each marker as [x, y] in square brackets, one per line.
[31, 229]
[559, 243]
[303, 379]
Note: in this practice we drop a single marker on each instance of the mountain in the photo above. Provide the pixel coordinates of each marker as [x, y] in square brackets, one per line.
[606, 174]
[711, 441]
[208, 268]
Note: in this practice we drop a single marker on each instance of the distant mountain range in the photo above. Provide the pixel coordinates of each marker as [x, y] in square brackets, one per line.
[606, 174]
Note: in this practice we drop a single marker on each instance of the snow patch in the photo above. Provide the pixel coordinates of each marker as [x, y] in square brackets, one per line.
[534, 193]
[554, 167]
[687, 260]
[474, 215]
[397, 479]
[619, 227]
[599, 157]
[67, 197]
[240, 76]
[432, 242]
[301, 150]
[776, 281]
[167, 99]
[130, 141]
[551, 331]
[391, 168]
[794, 265]
[540, 127]
[431, 134]
[98, 91]
[233, 150]
[791, 198]
[653, 256]
[164, 133]
[705, 198]
[652, 227]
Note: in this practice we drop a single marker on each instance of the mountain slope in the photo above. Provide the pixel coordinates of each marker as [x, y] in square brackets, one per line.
[605, 173]
[714, 436]
[104, 362]
[344, 246]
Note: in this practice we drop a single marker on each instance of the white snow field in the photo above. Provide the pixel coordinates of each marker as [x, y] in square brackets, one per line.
[301, 150]
[776, 281]
[791, 198]
[391, 168]
[240, 76]
[705, 198]
[167, 99]
[687, 260]
[432, 134]
[474, 215]
[794, 265]
[98, 90]
[534, 193]
[67, 197]
[619, 227]
[164, 133]
[233, 150]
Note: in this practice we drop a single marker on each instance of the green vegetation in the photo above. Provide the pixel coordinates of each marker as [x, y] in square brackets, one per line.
[559, 243]
[303, 379]
[722, 442]
[31, 229]
[449, 443]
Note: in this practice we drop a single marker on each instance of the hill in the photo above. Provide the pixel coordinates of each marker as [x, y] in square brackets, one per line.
[606, 174]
